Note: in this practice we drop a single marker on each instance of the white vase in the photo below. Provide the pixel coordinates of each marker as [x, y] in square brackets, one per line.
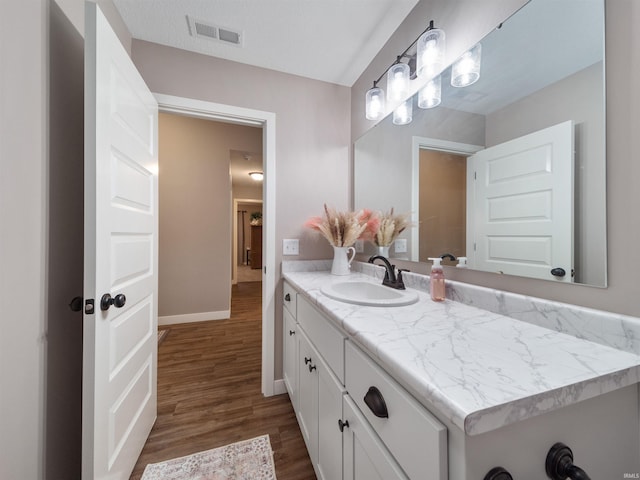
[384, 251]
[342, 261]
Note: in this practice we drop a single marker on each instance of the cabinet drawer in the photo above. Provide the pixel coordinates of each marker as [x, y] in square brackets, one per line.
[325, 337]
[289, 298]
[415, 437]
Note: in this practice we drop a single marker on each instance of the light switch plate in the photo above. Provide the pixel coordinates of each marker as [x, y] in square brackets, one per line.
[400, 245]
[359, 246]
[290, 246]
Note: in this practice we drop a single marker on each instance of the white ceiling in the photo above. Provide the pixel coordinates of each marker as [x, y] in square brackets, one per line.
[328, 40]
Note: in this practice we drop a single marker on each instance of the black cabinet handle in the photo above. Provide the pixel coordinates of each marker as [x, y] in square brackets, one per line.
[311, 368]
[287, 297]
[342, 425]
[292, 332]
[498, 473]
[375, 401]
[307, 360]
[558, 272]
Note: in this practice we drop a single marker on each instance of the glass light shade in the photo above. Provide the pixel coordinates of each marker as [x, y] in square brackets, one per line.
[404, 113]
[374, 104]
[398, 82]
[466, 70]
[430, 55]
[431, 94]
[257, 176]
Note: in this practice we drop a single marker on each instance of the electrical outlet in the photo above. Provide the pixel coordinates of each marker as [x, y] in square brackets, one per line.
[359, 246]
[290, 246]
[400, 245]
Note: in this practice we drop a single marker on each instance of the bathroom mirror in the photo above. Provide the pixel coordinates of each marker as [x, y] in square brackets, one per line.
[471, 170]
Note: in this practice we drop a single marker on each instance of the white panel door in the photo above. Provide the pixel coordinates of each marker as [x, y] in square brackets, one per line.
[121, 218]
[520, 216]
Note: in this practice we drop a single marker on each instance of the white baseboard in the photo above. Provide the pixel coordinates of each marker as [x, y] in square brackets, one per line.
[279, 387]
[194, 317]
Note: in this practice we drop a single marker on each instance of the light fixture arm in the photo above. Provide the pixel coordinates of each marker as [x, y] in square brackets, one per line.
[403, 54]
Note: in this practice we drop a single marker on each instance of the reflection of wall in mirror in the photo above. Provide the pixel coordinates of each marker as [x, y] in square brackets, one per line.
[569, 99]
[442, 204]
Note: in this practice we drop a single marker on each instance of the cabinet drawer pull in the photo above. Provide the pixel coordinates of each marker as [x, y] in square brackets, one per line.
[342, 425]
[292, 332]
[307, 360]
[287, 297]
[312, 368]
[375, 401]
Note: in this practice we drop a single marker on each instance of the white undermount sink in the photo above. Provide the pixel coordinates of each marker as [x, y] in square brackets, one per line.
[369, 294]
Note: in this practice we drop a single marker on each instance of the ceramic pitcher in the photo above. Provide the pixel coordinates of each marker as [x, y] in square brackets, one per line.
[342, 258]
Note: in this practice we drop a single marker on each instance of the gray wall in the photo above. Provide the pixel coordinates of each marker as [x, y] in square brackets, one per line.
[195, 212]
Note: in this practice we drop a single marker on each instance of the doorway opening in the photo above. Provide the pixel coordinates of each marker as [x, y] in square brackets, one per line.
[247, 244]
[266, 120]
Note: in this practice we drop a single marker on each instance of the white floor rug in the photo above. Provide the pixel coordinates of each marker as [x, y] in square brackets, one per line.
[247, 460]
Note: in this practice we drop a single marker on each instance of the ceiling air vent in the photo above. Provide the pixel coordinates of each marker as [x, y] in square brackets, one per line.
[201, 29]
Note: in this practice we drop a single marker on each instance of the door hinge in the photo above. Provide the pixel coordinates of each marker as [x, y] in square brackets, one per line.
[89, 307]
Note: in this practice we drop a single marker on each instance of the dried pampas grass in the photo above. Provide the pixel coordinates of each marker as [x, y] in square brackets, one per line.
[342, 229]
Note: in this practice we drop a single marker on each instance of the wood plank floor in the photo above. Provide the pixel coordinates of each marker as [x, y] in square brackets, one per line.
[209, 392]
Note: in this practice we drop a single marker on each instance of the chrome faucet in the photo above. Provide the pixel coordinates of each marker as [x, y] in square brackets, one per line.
[390, 279]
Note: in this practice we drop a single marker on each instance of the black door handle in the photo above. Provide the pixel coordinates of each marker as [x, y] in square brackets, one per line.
[558, 272]
[375, 401]
[76, 304]
[287, 297]
[118, 301]
[498, 473]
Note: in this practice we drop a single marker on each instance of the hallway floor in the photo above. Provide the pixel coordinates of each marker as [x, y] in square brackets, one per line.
[209, 392]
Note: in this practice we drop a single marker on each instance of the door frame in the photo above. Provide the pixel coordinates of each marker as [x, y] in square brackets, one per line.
[418, 143]
[234, 248]
[267, 120]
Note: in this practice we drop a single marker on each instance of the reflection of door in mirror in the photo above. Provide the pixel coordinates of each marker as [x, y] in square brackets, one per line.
[442, 204]
[521, 206]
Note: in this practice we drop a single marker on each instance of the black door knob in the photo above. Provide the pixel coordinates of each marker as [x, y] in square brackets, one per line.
[498, 473]
[106, 301]
[76, 304]
[558, 272]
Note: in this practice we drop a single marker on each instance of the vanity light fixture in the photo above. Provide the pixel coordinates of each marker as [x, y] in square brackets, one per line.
[374, 106]
[404, 113]
[430, 95]
[257, 176]
[466, 70]
[430, 54]
[428, 60]
[398, 81]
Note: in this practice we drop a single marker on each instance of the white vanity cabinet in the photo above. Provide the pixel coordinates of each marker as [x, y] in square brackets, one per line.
[290, 344]
[365, 456]
[343, 437]
[315, 391]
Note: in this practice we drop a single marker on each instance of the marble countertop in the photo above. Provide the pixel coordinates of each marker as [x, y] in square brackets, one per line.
[481, 370]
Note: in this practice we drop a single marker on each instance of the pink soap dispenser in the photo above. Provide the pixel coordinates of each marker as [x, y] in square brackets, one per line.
[436, 281]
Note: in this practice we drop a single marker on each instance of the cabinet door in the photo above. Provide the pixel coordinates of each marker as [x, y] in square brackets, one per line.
[308, 394]
[290, 358]
[365, 457]
[330, 393]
